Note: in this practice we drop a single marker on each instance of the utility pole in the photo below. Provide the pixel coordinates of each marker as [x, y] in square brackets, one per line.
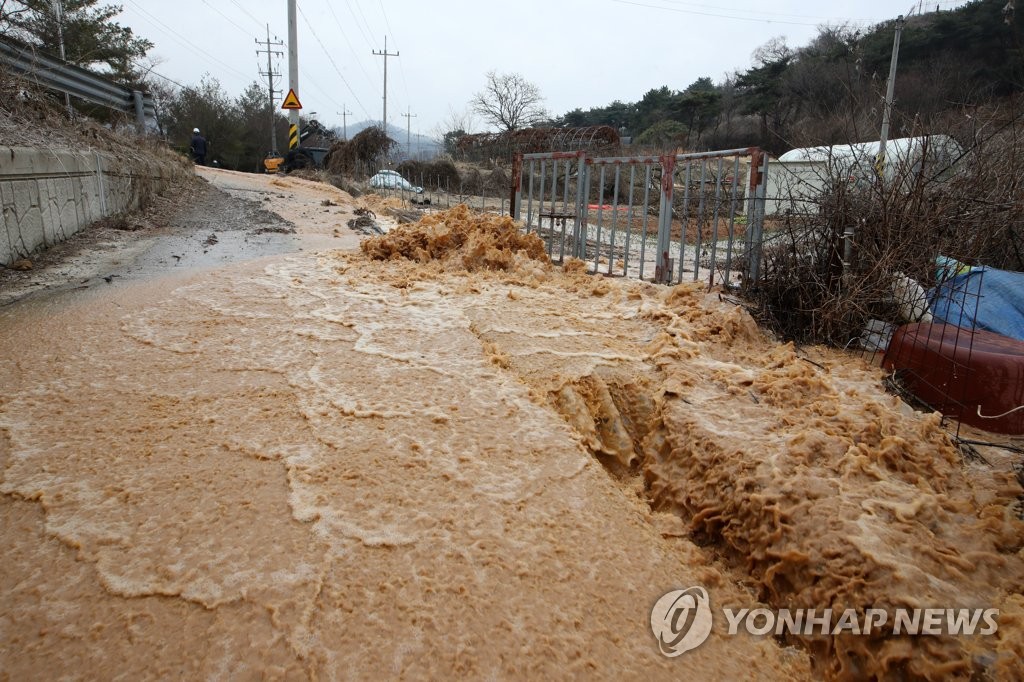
[408, 132]
[58, 11]
[889, 91]
[293, 74]
[384, 54]
[344, 121]
[270, 73]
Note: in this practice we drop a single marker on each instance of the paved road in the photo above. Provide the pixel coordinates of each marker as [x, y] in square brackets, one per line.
[291, 463]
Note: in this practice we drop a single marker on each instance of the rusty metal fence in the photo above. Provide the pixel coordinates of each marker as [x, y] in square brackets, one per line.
[665, 218]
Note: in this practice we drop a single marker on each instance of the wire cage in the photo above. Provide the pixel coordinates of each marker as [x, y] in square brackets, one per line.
[504, 146]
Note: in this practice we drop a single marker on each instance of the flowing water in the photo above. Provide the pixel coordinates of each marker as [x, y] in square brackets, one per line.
[461, 461]
[293, 470]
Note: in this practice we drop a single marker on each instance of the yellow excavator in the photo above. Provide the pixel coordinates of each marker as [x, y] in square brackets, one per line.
[273, 162]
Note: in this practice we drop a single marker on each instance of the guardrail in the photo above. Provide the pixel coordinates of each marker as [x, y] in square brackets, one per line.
[50, 72]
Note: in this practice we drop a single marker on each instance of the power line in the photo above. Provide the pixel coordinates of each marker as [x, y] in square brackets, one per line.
[359, 26]
[748, 11]
[348, 42]
[331, 60]
[316, 87]
[244, 11]
[369, 31]
[401, 67]
[183, 40]
[158, 75]
[729, 16]
[226, 17]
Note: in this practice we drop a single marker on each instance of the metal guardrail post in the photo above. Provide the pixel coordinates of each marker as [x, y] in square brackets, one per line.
[140, 110]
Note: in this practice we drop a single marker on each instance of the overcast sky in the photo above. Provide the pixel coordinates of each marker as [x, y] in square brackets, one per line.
[581, 53]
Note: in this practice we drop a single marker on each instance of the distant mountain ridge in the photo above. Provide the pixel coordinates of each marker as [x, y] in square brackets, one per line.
[421, 145]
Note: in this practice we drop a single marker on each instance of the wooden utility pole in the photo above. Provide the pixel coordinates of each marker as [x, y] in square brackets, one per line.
[385, 54]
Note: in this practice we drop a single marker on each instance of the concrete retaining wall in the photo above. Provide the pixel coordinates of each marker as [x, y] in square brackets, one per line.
[48, 195]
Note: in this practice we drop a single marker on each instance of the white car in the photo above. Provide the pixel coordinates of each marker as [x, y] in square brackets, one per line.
[389, 179]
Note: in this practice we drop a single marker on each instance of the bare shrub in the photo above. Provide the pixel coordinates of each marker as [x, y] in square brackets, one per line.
[818, 286]
[439, 175]
[359, 154]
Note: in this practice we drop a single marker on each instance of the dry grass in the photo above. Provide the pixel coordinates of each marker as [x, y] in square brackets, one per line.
[33, 117]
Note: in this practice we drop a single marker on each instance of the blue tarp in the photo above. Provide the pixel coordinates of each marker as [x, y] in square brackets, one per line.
[983, 298]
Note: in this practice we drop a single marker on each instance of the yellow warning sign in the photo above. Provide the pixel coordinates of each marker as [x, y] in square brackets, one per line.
[291, 101]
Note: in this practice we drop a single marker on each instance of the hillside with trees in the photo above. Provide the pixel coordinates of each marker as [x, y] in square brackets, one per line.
[954, 65]
[831, 90]
[91, 37]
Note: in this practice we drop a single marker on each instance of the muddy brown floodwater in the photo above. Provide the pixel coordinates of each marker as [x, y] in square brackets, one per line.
[441, 456]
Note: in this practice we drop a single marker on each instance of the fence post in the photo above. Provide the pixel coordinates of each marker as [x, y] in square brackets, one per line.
[579, 232]
[516, 193]
[663, 267]
[759, 184]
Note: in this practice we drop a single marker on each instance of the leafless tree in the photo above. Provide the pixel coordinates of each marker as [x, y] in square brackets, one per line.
[454, 126]
[462, 121]
[9, 13]
[509, 101]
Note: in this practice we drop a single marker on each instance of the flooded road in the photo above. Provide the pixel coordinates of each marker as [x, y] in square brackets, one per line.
[287, 469]
[443, 457]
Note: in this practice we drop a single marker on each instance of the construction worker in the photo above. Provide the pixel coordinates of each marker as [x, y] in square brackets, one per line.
[198, 147]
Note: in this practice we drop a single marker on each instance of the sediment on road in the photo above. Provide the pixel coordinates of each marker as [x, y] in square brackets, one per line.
[442, 456]
[794, 467]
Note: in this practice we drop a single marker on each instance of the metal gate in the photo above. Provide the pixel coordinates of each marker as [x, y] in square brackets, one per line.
[665, 218]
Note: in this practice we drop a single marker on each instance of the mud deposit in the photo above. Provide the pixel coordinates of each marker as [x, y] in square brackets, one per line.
[816, 488]
[300, 470]
[444, 457]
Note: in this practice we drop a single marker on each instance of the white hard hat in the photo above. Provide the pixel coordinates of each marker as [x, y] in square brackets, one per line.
[195, 130]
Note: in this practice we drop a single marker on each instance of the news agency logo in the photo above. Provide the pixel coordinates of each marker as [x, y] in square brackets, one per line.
[681, 620]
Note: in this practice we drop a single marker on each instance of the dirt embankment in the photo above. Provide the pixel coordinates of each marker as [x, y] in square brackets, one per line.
[797, 471]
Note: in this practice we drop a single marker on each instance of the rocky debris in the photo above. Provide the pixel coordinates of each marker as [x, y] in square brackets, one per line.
[365, 222]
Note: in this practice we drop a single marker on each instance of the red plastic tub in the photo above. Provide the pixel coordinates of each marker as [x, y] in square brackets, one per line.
[960, 372]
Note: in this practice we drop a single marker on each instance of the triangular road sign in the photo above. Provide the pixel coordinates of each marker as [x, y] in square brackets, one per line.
[291, 101]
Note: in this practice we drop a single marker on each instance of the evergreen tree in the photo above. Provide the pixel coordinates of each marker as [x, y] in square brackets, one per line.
[208, 107]
[92, 39]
